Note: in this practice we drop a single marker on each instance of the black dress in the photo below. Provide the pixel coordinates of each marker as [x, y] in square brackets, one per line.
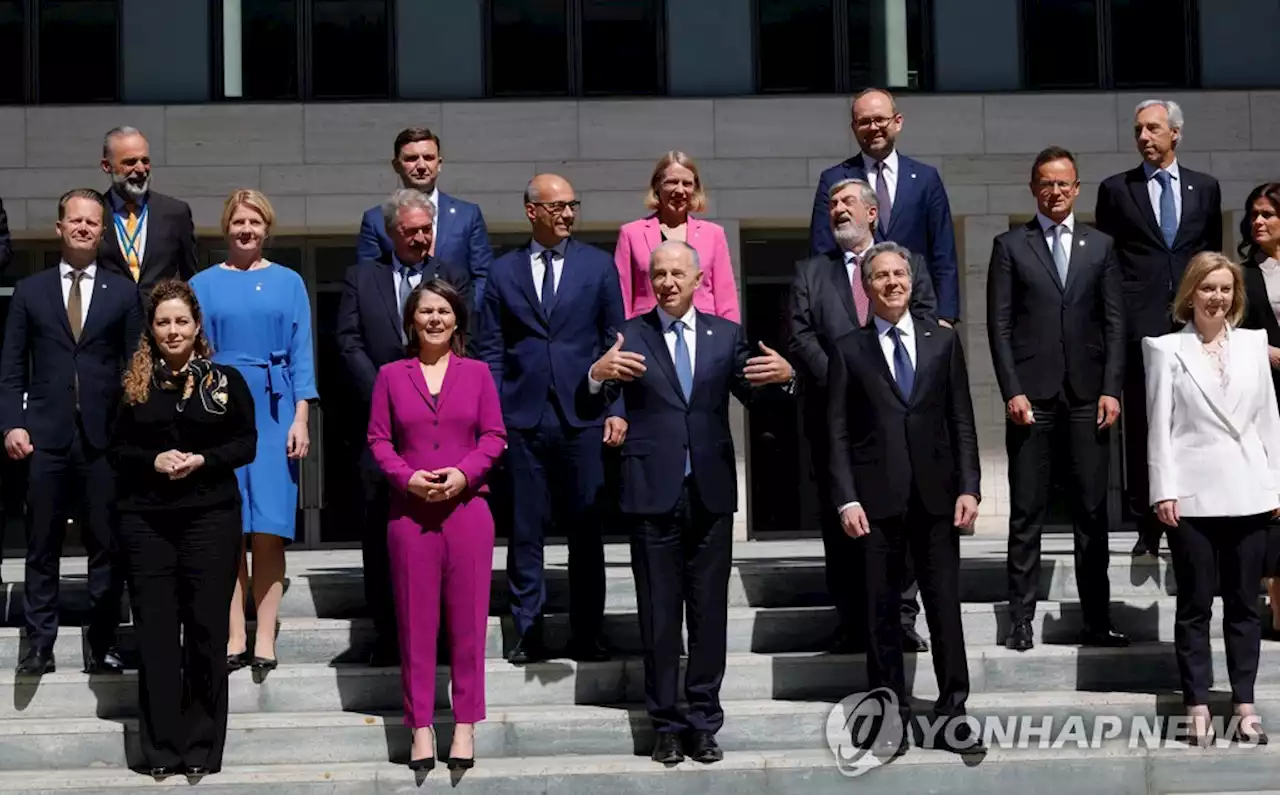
[181, 540]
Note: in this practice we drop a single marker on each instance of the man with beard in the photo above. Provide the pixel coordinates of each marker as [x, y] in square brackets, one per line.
[827, 302]
[149, 237]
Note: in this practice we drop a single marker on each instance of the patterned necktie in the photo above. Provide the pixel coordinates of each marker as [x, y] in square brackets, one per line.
[548, 279]
[861, 304]
[131, 252]
[1060, 253]
[904, 373]
[406, 287]
[884, 204]
[1168, 210]
[684, 373]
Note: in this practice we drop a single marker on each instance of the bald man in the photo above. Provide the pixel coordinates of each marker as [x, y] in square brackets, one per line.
[550, 309]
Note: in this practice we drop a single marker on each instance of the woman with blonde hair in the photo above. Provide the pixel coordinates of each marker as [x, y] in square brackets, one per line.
[675, 193]
[1213, 456]
[258, 317]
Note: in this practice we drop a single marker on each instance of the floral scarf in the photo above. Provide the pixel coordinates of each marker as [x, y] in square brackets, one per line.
[198, 376]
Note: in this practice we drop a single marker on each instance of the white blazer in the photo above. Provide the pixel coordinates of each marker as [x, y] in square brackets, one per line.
[1215, 451]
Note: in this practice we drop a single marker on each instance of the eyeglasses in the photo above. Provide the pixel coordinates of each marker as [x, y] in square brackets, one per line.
[1047, 185]
[879, 121]
[555, 208]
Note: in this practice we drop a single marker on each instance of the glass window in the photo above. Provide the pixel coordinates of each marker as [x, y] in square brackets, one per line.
[893, 28]
[620, 47]
[528, 47]
[263, 63]
[357, 27]
[796, 48]
[12, 53]
[68, 29]
[1061, 40]
[1161, 25]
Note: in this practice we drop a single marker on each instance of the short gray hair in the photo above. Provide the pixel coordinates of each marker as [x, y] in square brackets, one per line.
[406, 198]
[116, 132]
[1172, 108]
[678, 246]
[866, 194]
[887, 247]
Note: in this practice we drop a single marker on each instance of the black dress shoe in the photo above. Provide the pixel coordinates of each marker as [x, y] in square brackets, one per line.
[704, 748]
[845, 642]
[109, 662]
[591, 651]
[962, 740]
[37, 662]
[1241, 737]
[528, 649]
[384, 656]
[197, 771]
[912, 642]
[237, 661]
[1021, 637]
[668, 750]
[160, 771]
[1107, 638]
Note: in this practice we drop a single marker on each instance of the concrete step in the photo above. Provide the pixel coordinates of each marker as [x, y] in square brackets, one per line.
[356, 688]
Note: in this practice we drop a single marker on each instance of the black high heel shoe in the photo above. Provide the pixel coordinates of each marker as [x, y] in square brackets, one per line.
[422, 765]
[461, 762]
[263, 664]
[1241, 737]
[237, 661]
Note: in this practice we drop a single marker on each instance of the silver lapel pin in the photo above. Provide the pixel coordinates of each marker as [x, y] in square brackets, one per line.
[913, 175]
[452, 210]
[1081, 244]
[708, 332]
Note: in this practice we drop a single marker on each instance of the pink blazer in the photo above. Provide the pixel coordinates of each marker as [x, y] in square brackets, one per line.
[462, 428]
[718, 293]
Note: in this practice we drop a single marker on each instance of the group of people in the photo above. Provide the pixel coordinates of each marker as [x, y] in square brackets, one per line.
[475, 375]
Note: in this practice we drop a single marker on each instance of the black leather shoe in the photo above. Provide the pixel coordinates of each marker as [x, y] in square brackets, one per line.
[528, 649]
[704, 748]
[162, 771]
[668, 750]
[1021, 637]
[1241, 737]
[197, 771]
[384, 656]
[962, 740]
[591, 651]
[237, 661]
[422, 765]
[261, 665]
[912, 642]
[1107, 638]
[37, 662]
[461, 762]
[109, 662]
[845, 642]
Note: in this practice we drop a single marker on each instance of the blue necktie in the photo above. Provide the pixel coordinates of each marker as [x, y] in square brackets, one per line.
[684, 373]
[406, 288]
[903, 371]
[548, 280]
[1168, 210]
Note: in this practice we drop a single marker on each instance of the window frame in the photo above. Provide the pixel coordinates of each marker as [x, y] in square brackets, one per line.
[30, 77]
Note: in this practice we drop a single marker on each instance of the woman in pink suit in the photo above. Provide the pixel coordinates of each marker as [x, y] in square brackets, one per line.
[435, 429]
[675, 191]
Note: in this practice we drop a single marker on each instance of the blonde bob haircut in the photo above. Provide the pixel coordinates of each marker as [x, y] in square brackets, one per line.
[697, 202]
[1200, 266]
[254, 200]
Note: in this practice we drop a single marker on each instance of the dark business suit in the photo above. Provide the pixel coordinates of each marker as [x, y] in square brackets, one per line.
[1062, 346]
[69, 466]
[906, 459]
[460, 234]
[822, 311]
[170, 250]
[540, 353]
[1150, 272]
[370, 335]
[920, 220]
[6, 247]
[682, 537]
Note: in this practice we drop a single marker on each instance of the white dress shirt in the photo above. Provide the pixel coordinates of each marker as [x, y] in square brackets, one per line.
[849, 266]
[434, 198]
[890, 173]
[1068, 234]
[540, 267]
[1154, 189]
[86, 287]
[689, 332]
[414, 278]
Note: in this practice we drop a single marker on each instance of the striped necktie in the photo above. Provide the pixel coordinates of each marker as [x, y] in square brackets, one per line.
[131, 250]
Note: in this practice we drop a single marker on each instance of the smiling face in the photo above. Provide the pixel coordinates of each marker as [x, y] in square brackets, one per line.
[1213, 297]
[1265, 224]
[411, 234]
[80, 229]
[174, 329]
[852, 219]
[890, 291]
[434, 321]
[129, 164]
[676, 190]
[247, 230]
[674, 278]
[876, 124]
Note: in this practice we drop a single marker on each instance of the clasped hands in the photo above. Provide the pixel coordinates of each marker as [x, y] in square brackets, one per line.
[437, 485]
[177, 464]
[854, 519]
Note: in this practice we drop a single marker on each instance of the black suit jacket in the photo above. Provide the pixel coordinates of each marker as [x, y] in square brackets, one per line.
[1045, 335]
[1258, 313]
[41, 358]
[1150, 269]
[170, 252]
[6, 248]
[885, 444]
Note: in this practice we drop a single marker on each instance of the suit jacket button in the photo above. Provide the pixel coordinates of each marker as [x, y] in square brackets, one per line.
[436, 446]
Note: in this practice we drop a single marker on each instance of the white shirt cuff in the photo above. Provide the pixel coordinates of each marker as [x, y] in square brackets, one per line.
[593, 385]
[855, 504]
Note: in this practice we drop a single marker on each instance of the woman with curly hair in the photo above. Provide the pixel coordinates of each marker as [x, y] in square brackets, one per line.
[184, 426]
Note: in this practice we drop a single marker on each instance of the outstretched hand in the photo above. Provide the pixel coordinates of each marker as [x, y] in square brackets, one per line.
[618, 365]
[771, 368]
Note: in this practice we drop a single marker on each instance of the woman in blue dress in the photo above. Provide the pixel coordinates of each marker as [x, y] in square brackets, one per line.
[258, 320]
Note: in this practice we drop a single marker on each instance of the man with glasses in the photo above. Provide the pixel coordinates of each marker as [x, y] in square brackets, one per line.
[914, 211]
[549, 311]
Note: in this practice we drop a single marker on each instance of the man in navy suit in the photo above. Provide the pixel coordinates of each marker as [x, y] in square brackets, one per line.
[371, 334]
[913, 207]
[68, 337]
[550, 309]
[680, 487]
[460, 233]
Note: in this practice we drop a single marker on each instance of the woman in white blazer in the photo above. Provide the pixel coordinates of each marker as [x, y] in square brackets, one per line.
[1213, 453]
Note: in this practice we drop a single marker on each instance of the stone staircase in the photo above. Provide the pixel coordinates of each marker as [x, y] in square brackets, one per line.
[325, 723]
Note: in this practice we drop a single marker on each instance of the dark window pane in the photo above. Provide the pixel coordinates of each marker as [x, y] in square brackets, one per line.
[1161, 27]
[529, 47]
[269, 49]
[1061, 41]
[358, 28]
[68, 30]
[620, 47]
[870, 37]
[797, 47]
[12, 58]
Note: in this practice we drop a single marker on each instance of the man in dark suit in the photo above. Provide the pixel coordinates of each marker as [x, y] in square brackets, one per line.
[827, 302]
[149, 236]
[371, 334]
[675, 368]
[70, 331]
[461, 236]
[550, 309]
[913, 206]
[1160, 215]
[904, 464]
[6, 247]
[1055, 322]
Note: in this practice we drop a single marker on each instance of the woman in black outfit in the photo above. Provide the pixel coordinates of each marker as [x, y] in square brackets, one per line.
[184, 427]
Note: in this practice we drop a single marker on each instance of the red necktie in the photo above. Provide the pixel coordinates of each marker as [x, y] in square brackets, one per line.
[860, 301]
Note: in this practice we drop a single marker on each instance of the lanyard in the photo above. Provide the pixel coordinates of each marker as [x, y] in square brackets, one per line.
[130, 243]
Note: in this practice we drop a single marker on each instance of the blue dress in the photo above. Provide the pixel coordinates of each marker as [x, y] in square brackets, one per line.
[259, 322]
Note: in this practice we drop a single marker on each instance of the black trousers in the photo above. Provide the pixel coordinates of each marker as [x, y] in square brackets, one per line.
[1228, 552]
[935, 545]
[74, 480]
[681, 563]
[1133, 421]
[182, 571]
[377, 566]
[1062, 422]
